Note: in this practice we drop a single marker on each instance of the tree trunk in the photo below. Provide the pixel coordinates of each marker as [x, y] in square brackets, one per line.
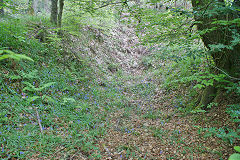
[1, 8]
[36, 6]
[61, 4]
[185, 4]
[30, 7]
[54, 12]
[45, 6]
[225, 59]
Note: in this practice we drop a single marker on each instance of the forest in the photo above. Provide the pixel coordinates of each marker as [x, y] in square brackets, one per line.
[120, 79]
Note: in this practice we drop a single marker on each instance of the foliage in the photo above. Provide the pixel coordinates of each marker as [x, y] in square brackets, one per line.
[234, 112]
[183, 65]
[226, 134]
[235, 156]
[68, 101]
[13, 55]
[158, 26]
[72, 99]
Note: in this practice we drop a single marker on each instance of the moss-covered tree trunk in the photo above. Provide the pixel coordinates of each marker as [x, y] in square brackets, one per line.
[217, 38]
[61, 4]
[54, 12]
[46, 6]
[30, 7]
[57, 12]
[1, 8]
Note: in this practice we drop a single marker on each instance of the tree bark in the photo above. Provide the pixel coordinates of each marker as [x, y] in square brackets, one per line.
[30, 7]
[61, 4]
[225, 59]
[45, 6]
[36, 6]
[54, 12]
[185, 4]
[1, 8]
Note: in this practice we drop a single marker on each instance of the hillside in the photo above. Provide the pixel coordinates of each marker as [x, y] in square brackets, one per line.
[103, 87]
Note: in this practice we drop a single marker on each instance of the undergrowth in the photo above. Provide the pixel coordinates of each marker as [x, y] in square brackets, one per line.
[48, 108]
[182, 69]
[57, 105]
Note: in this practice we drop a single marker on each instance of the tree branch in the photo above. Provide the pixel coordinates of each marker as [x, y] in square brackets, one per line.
[111, 4]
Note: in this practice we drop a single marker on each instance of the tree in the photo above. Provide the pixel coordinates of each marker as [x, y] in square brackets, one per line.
[56, 12]
[61, 4]
[218, 25]
[45, 5]
[221, 36]
[1, 8]
[30, 7]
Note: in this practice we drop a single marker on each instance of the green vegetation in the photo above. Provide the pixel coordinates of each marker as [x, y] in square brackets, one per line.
[119, 79]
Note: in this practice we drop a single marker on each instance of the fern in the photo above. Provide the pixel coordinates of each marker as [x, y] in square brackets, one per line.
[32, 88]
[31, 75]
[48, 98]
[34, 98]
[12, 55]
[12, 77]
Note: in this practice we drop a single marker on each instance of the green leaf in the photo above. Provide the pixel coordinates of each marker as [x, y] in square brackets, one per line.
[34, 98]
[8, 51]
[31, 75]
[198, 111]
[21, 56]
[234, 156]
[48, 98]
[68, 100]
[237, 148]
[29, 87]
[46, 85]
[4, 57]
[13, 77]
[199, 86]
[12, 55]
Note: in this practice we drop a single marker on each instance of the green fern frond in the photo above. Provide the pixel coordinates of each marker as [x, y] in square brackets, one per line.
[12, 55]
[32, 99]
[32, 88]
[46, 85]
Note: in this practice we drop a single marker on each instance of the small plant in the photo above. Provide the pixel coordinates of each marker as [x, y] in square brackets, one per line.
[151, 114]
[235, 156]
[234, 112]
[113, 67]
[32, 89]
[226, 134]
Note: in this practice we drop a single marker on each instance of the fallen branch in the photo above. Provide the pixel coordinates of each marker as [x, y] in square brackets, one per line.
[39, 121]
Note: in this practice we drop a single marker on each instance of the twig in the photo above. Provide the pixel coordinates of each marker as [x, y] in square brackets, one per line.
[39, 121]
[225, 73]
[118, 124]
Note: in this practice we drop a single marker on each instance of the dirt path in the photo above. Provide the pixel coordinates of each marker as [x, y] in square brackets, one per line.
[150, 127]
